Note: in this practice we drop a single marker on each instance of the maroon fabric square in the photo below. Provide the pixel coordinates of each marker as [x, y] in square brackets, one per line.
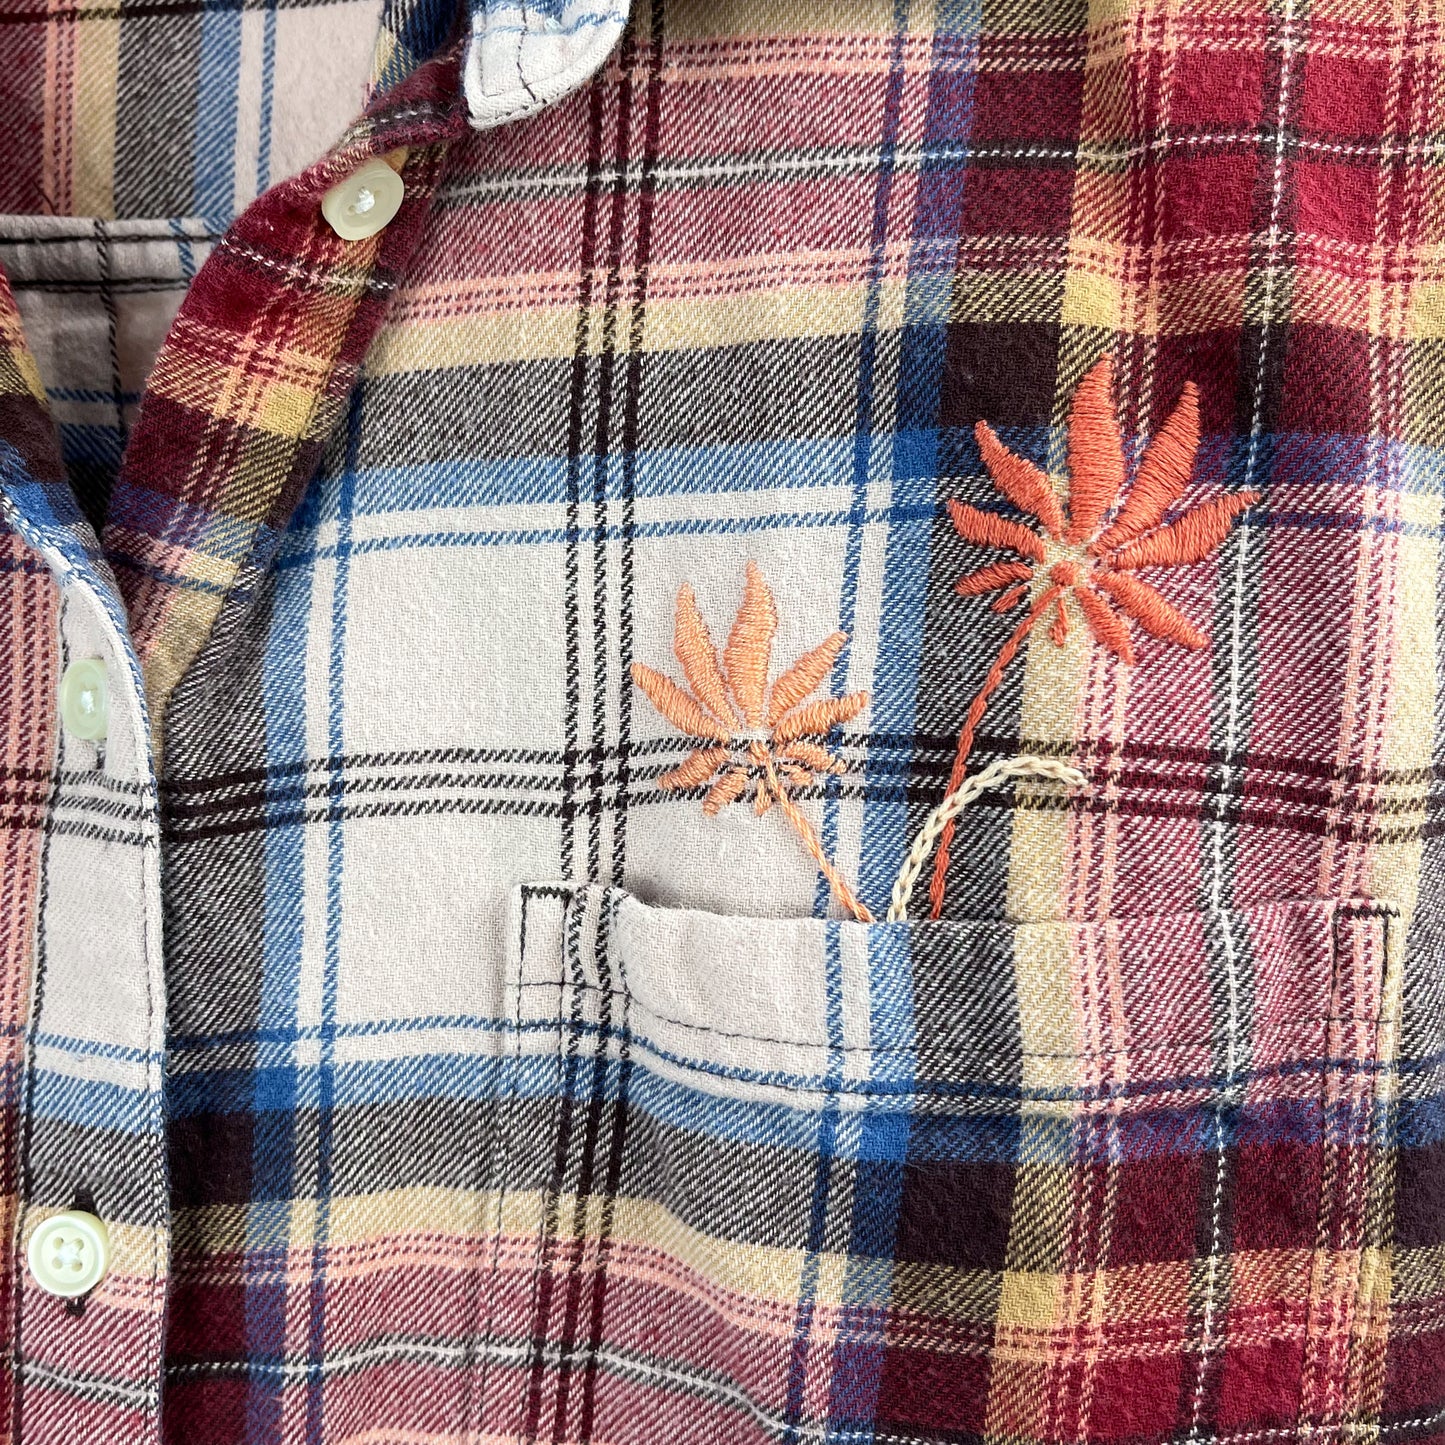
[209, 1320]
[1214, 88]
[1018, 201]
[1157, 1205]
[1276, 1189]
[1136, 1396]
[211, 1410]
[1344, 95]
[1027, 105]
[1415, 1368]
[1327, 381]
[1336, 201]
[1207, 196]
[1259, 1384]
[956, 1214]
[1420, 1198]
[1001, 374]
[927, 1391]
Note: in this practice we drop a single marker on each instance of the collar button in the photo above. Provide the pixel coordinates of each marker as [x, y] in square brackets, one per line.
[364, 202]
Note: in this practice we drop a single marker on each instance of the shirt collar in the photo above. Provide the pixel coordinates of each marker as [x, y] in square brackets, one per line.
[523, 57]
[520, 57]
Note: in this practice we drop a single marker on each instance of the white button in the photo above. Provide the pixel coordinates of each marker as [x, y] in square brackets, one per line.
[69, 1253]
[85, 699]
[364, 202]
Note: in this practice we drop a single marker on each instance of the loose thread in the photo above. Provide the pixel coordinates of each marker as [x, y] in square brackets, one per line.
[955, 803]
[804, 829]
[971, 721]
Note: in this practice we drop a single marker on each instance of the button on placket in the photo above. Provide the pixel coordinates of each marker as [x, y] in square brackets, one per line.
[85, 699]
[365, 202]
[69, 1253]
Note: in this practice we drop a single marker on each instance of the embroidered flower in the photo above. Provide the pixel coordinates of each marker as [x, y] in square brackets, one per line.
[1076, 557]
[1082, 557]
[750, 733]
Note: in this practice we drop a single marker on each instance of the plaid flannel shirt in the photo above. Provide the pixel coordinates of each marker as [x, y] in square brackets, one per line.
[407, 979]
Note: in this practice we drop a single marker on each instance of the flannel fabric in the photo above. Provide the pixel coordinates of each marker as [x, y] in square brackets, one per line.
[449, 1059]
[153, 111]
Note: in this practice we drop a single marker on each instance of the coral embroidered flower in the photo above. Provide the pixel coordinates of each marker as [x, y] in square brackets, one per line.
[1077, 558]
[748, 732]
[1084, 558]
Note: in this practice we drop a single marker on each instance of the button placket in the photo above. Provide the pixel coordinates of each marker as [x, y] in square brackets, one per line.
[95, 1211]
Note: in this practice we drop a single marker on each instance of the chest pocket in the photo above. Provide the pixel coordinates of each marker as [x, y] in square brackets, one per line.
[799, 1180]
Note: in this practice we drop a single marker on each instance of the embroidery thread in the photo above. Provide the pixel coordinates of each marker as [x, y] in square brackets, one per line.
[980, 783]
[747, 732]
[1079, 557]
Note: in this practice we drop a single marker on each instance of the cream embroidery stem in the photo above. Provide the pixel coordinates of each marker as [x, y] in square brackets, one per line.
[1026, 766]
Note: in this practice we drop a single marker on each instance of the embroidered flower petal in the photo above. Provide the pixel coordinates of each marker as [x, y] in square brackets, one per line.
[727, 789]
[1010, 599]
[1162, 476]
[1059, 632]
[1190, 539]
[1024, 484]
[692, 643]
[1106, 625]
[988, 529]
[695, 769]
[992, 577]
[819, 718]
[813, 756]
[681, 709]
[1149, 609]
[750, 646]
[1096, 452]
[792, 773]
[762, 799]
[804, 676]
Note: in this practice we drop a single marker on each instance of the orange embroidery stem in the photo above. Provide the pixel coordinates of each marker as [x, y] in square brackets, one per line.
[804, 829]
[1059, 632]
[976, 710]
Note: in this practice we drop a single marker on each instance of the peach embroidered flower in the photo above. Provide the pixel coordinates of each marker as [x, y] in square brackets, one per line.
[748, 732]
[1082, 557]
